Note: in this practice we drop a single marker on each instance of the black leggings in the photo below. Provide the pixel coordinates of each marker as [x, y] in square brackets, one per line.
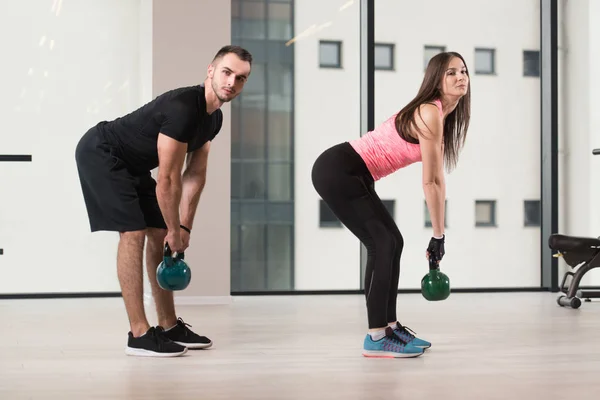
[343, 181]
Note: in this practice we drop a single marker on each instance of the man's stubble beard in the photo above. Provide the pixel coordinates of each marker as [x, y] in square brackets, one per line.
[216, 91]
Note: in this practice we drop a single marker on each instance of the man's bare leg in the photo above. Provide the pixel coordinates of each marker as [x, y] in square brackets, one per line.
[165, 306]
[129, 270]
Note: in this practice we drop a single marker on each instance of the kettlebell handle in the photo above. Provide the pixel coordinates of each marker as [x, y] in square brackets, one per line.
[169, 253]
[433, 263]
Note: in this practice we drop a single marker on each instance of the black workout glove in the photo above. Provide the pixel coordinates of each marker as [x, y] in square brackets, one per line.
[436, 248]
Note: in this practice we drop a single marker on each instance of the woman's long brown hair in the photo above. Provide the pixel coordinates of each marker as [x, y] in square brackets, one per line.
[457, 122]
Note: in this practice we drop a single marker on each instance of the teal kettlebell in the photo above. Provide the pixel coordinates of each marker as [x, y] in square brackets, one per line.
[173, 273]
[435, 285]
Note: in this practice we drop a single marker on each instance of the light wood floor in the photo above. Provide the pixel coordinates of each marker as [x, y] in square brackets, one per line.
[485, 346]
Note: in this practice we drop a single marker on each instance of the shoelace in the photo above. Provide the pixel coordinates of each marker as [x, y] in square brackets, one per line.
[392, 343]
[159, 336]
[187, 332]
[409, 331]
[182, 322]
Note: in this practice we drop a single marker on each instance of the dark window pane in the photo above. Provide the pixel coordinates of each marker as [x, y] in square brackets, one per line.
[253, 180]
[253, 97]
[280, 21]
[235, 213]
[236, 132]
[279, 265]
[531, 63]
[280, 213]
[253, 23]
[279, 143]
[533, 213]
[235, 259]
[279, 176]
[236, 180]
[280, 83]
[253, 135]
[253, 258]
[253, 212]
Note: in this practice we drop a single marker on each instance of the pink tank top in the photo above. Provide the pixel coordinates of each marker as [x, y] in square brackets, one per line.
[384, 151]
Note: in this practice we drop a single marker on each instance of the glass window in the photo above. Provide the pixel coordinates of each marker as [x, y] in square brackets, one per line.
[252, 20]
[254, 94]
[235, 257]
[485, 61]
[253, 257]
[279, 87]
[253, 180]
[485, 212]
[533, 213]
[279, 257]
[430, 51]
[280, 21]
[281, 128]
[279, 142]
[478, 193]
[384, 56]
[531, 63]
[330, 54]
[279, 176]
[236, 180]
[252, 133]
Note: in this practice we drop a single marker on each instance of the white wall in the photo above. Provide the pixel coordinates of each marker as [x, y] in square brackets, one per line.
[326, 111]
[581, 122]
[500, 162]
[66, 66]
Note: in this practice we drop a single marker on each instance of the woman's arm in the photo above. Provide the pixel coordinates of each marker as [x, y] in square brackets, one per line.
[430, 126]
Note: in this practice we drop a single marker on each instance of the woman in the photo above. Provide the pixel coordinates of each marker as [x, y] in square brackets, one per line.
[431, 129]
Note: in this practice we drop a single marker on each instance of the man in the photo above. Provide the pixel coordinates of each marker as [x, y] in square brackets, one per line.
[114, 161]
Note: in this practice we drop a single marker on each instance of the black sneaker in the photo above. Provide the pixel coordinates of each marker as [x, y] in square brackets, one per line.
[182, 335]
[153, 343]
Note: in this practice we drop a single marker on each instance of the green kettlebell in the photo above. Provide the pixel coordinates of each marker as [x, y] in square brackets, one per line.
[435, 285]
[173, 273]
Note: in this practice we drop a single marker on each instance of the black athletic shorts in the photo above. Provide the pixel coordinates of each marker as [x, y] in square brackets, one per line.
[116, 199]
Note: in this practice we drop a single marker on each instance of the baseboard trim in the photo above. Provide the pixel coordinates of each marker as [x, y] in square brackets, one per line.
[10, 296]
[400, 291]
[198, 300]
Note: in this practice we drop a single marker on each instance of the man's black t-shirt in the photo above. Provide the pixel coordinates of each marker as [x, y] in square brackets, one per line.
[179, 113]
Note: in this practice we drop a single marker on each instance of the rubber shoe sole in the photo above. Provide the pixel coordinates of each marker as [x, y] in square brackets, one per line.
[131, 351]
[389, 354]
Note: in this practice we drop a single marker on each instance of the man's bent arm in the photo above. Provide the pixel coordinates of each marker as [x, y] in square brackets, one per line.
[194, 179]
[171, 155]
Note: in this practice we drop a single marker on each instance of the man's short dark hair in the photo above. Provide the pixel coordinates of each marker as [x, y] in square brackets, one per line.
[242, 53]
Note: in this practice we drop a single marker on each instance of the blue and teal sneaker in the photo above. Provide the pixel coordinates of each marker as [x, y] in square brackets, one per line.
[407, 335]
[389, 347]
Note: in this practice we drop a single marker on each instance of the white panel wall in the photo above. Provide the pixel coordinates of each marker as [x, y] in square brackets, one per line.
[500, 162]
[66, 66]
[327, 111]
[581, 121]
